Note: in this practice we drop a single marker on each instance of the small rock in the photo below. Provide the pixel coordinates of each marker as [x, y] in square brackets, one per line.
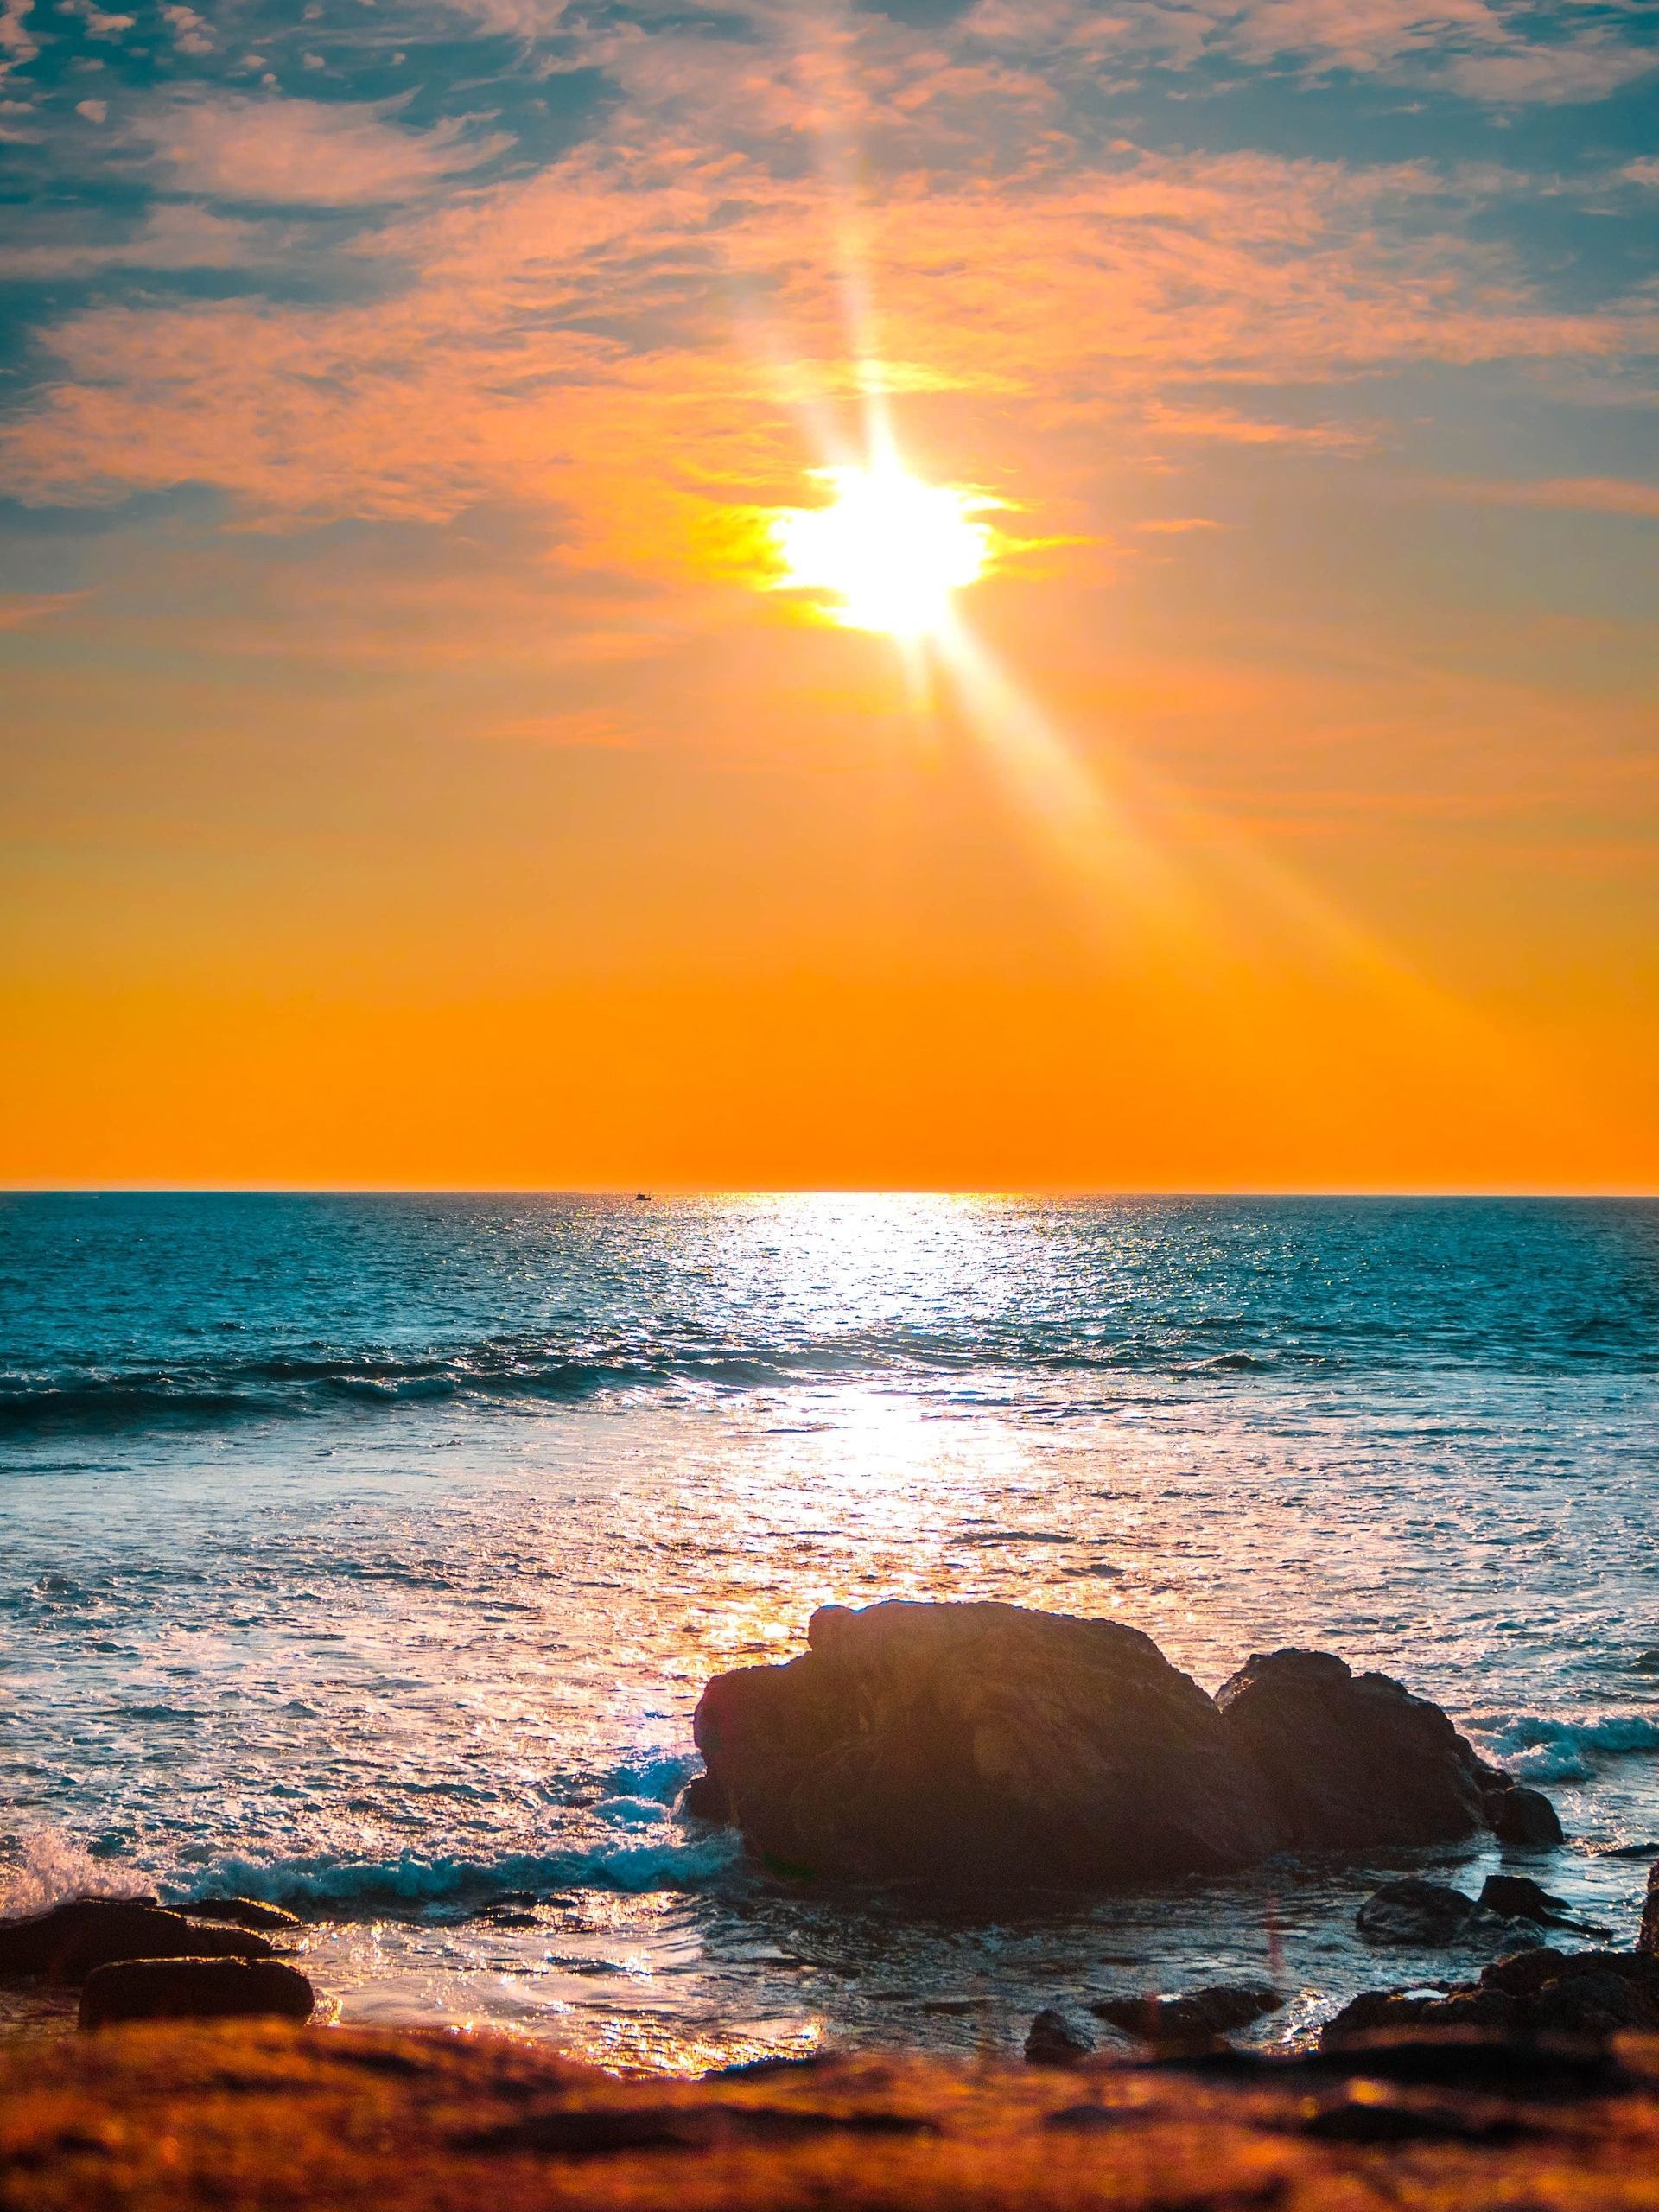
[68, 1943]
[243, 1913]
[1516, 1896]
[704, 1799]
[1197, 2014]
[1521, 1815]
[195, 1989]
[1648, 1940]
[1411, 1911]
[1056, 2041]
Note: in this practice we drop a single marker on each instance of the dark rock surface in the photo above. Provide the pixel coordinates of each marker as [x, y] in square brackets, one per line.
[1582, 1993]
[1353, 1760]
[1196, 2015]
[985, 1746]
[1054, 2040]
[244, 1912]
[195, 1989]
[981, 1745]
[1648, 1940]
[68, 1943]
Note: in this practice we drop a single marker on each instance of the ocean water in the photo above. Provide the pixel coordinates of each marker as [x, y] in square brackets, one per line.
[369, 1554]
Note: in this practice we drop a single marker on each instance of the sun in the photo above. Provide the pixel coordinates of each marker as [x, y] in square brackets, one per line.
[888, 549]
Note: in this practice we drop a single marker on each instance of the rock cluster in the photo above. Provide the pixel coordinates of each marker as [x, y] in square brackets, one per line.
[1585, 1994]
[136, 1960]
[982, 1745]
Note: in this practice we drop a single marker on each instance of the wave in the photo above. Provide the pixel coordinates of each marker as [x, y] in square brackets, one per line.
[414, 1881]
[1539, 1748]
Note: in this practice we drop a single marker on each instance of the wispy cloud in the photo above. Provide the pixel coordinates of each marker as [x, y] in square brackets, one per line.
[1597, 495]
[247, 149]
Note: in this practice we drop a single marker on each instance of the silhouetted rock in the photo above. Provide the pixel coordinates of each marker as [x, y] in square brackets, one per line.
[1517, 1897]
[1648, 1940]
[68, 1943]
[1056, 2041]
[195, 1989]
[1354, 1760]
[1196, 2015]
[980, 1743]
[1519, 1816]
[1540, 1993]
[243, 1913]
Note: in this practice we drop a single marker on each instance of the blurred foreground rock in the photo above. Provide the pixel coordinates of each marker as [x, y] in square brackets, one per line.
[986, 1745]
[255, 2118]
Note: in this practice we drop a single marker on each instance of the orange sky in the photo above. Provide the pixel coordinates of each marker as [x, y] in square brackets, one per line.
[410, 780]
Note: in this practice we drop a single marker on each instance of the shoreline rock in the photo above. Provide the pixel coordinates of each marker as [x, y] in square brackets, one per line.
[982, 1745]
[68, 1943]
[194, 1989]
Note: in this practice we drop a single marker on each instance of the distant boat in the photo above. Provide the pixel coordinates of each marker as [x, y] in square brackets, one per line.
[642, 1197]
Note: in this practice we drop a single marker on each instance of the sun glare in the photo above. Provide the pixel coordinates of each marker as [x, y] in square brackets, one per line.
[888, 551]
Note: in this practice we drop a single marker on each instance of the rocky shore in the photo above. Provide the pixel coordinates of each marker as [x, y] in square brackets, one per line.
[956, 1746]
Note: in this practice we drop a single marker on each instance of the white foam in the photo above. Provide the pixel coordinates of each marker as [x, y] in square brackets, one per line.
[51, 1867]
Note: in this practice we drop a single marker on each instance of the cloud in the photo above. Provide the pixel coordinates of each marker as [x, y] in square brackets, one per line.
[172, 236]
[93, 110]
[240, 148]
[656, 343]
[24, 610]
[1600, 495]
[98, 21]
[191, 32]
[17, 48]
[1484, 49]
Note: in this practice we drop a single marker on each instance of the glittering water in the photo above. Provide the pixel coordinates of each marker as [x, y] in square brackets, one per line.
[369, 1554]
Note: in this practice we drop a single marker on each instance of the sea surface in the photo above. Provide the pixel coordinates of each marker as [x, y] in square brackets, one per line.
[369, 1555]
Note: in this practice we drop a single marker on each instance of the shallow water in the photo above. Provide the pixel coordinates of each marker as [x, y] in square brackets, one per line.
[370, 1554]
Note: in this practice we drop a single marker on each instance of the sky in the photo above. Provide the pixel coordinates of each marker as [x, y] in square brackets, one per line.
[418, 768]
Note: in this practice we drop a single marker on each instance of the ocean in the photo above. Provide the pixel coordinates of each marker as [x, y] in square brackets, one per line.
[368, 1554]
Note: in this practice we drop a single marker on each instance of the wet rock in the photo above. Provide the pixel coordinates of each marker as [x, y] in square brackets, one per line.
[195, 1989]
[1355, 1760]
[68, 1943]
[1516, 1896]
[1519, 1816]
[981, 1745]
[1428, 1914]
[1054, 2040]
[1589, 1994]
[1196, 2015]
[244, 1912]
[1647, 1941]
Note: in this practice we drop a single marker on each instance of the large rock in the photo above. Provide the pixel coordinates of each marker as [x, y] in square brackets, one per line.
[1353, 1761]
[68, 1943]
[195, 1989]
[981, 1745]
